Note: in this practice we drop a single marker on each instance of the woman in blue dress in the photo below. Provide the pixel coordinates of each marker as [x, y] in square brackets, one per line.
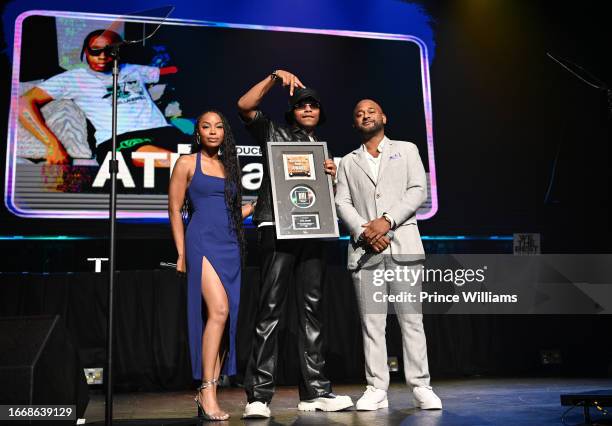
[210, 251]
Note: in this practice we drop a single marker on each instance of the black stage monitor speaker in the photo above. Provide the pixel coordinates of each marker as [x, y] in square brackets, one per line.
[39, 364]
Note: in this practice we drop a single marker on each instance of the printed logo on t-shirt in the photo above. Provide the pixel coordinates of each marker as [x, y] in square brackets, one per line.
[127, 92]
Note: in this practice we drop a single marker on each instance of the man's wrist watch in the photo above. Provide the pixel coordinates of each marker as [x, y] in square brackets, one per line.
[388, 219]
[274, 76]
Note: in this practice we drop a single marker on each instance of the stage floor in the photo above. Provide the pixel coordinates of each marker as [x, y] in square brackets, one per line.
[472, 402]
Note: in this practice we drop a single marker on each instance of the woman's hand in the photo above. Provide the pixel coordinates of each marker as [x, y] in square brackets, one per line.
[248, 209]
[181, 268]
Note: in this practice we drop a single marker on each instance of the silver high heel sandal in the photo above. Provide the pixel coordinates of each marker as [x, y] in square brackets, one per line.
[202, 414]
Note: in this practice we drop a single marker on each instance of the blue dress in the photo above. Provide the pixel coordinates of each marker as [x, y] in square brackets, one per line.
[209, 235]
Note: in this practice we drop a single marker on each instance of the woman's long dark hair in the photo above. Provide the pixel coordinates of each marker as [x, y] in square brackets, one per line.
[233, 186]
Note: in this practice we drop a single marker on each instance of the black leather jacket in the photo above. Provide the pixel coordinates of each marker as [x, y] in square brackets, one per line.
[265, 130]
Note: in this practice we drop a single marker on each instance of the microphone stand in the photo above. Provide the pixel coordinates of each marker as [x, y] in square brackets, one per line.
[113, 168]
[586, 78]
[113, 51]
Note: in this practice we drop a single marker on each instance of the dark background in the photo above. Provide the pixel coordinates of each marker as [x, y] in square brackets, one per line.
[504, 112]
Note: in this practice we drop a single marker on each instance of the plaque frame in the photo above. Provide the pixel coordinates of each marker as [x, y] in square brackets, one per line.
[324, 205]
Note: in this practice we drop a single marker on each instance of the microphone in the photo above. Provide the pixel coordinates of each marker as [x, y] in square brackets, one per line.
[167, 265]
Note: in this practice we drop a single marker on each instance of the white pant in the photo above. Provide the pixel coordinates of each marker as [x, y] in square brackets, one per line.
[374, 322]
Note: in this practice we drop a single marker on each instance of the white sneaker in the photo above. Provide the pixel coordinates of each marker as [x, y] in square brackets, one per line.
[330, 402]
[426, 398]
[256, 410]
[372, 399]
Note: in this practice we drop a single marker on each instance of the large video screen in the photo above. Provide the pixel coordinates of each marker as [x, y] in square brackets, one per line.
[203, 65]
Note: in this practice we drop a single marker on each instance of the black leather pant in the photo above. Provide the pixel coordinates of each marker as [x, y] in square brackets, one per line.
[285, 263]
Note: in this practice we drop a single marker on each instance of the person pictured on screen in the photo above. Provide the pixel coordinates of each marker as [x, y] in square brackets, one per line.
[380, 186]
[140, 124]
[287, 262]
[207, 185]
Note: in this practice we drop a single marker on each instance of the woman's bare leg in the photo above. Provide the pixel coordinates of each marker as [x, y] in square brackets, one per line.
[217, 306]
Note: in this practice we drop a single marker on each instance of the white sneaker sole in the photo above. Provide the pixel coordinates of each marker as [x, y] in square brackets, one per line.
[372, 407]
[314, 406]
[255, 416]
[431, 406]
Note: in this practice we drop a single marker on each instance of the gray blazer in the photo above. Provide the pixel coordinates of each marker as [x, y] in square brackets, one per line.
[399, 190]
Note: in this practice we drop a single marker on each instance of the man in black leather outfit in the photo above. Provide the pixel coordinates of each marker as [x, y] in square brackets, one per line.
[286, 262]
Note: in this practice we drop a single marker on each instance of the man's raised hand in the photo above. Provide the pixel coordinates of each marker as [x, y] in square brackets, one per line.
[289, 79]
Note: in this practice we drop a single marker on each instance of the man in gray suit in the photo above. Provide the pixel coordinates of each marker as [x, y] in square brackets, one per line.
[380, 186]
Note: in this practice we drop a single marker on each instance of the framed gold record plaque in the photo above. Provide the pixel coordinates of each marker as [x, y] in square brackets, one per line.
[302, 193]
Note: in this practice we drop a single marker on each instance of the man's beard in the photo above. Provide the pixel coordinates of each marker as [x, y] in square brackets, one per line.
[367, 132]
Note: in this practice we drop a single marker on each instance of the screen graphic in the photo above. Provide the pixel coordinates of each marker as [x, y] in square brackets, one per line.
[211, 65]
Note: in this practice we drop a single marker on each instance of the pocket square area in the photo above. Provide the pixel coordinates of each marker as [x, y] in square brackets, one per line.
[395, 156]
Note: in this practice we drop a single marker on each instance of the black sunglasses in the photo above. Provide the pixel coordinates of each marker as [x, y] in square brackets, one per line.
[302, 105]
[95, 52]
